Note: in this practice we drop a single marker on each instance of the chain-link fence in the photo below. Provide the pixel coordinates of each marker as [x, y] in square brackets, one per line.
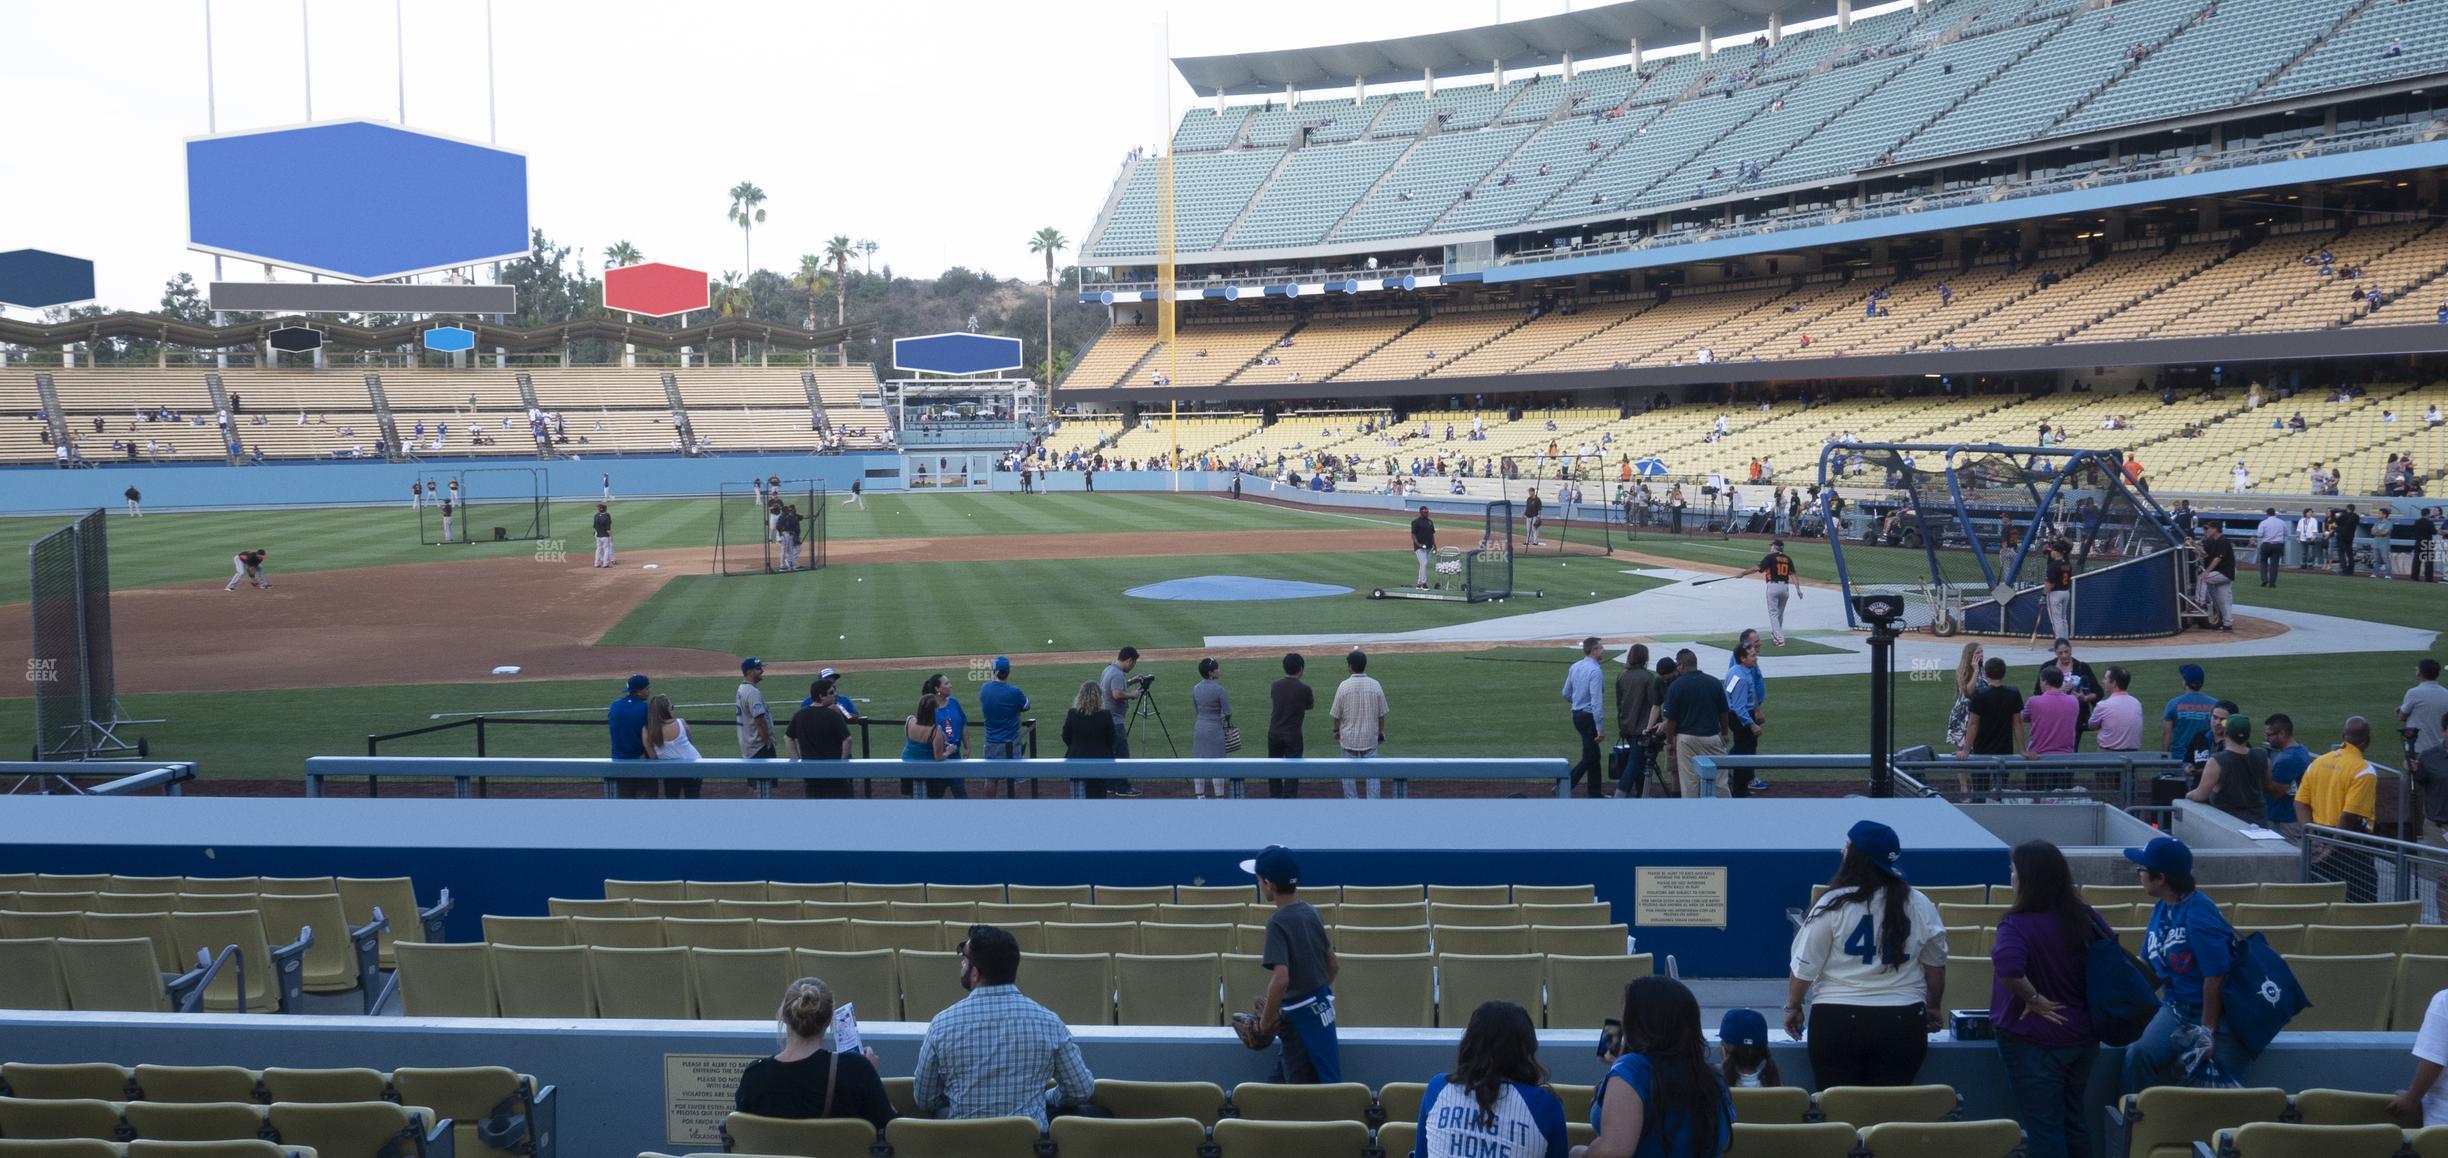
[750, 521]
[2379, 869]
[75, 693]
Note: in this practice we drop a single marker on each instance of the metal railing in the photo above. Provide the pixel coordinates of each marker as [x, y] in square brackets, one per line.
[2113, 778]
[2378, 868]
[467, 773]
[125, 777]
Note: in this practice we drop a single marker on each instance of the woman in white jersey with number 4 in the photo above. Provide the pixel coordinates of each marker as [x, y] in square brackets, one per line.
[1872, 958]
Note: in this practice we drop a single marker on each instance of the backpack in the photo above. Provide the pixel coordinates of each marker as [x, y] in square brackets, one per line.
[2117, 992]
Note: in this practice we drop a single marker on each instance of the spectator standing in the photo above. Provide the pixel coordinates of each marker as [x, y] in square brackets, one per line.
[2340, 790]
[749, 713]
[2422, 706]
[2054, 721]
[922, 740]
[2269, 544]
[2218, 571]
[1289, 700]
[1997, 716]
[2037, 1001]
[1088, 734]
[1695, 713]
[626, 719]
[2311, 540]
[603, 536]
[2288, 761]
[1660, 1098]
[1742, 688]
[2426, 1094]
[667, 738]
[2188, 949]
[1297, 1009]
[953, 722]
[2236, 778]
[1000, 703]
[1496, 1099]
[818, 731]
[1359, 712]
[993, 1052]
[1119, 692]
[2427, 542]
[2080, 682]
[805, 1080]
[1211, 713]
[2118, 717]
[1637, 692]
[1585, 696]
[1872, 958]
[1971, 675]
[2344, 528]
[2187, 716]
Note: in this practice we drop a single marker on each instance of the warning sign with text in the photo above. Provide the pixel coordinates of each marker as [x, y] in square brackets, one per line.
[1686, 897]
[697, 1092]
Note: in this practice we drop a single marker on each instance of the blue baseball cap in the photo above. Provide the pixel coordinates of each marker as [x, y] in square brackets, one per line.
[1743, 1027]
[1002, 665]
[1879, 843]
[2164, 854]
[751, 663]
[637, 683]
[1275, 865]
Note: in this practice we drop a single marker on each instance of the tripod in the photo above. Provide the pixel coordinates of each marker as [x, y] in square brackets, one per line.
[1145, 707]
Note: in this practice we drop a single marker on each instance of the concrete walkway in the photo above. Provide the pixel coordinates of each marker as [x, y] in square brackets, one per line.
[1683, 611]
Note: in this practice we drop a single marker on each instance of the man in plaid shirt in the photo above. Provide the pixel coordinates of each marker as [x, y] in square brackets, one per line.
[991, 1054]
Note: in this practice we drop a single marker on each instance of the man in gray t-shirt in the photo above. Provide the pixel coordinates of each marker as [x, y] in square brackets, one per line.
[1118, 696]
[1298, 1007]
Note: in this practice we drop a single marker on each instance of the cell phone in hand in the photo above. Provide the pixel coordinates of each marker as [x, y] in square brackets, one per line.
[1610, 1037]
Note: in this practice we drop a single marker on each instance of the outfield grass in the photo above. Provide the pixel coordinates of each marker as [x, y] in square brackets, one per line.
[182, 547]
[1506, 703]
[1068, 605]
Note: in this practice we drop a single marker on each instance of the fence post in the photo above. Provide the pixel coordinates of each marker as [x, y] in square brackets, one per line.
[373, 746]
[480, 737]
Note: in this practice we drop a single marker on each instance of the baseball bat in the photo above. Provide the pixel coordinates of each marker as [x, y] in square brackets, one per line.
[1719, 579]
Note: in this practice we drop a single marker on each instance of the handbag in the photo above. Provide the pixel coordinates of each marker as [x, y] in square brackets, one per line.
[1232, 739]
[2261, 994]
[2116, 992]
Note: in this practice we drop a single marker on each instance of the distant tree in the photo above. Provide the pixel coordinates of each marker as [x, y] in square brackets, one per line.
[811, 277]
[869, 248]
[731, 298]
[182, 302]
[1049, 241]
[838, 251]
[747, 212]
[621, 253]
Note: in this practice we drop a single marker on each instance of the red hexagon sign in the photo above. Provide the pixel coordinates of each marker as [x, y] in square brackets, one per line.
[656, 290]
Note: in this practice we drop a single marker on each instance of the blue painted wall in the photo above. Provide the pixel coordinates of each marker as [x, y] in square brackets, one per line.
[36, 490]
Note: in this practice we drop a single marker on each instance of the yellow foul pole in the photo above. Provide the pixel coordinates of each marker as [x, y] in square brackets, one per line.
[1165, 306]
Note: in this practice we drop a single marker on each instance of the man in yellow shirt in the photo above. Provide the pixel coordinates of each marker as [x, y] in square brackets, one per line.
[2340, 790]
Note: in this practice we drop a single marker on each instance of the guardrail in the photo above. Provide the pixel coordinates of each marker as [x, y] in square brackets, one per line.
[2049, 776]
[2378, 868]
[762, 775]
[126, 777]
[480, 724]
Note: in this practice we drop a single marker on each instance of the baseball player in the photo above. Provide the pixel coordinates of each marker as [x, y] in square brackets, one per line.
[249, 566]
[135, 502]
[855, 499]
[607, 486]
[1777, 568]
[787, 532]
[416, 496]
[447, 506]
[1423, 544]
[603, 535]
[1530, 516]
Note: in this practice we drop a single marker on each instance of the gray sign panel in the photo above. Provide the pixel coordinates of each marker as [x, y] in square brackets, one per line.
[339, 297]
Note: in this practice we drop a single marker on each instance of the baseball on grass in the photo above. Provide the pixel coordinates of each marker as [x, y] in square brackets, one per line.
[845, 637]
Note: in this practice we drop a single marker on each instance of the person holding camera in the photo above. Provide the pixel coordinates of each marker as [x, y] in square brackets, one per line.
[1120, 691]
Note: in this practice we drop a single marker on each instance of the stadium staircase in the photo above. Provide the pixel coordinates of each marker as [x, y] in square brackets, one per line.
[1490, 340]
[2146, 293]
[680, 419]
[1937, 339]
[220, 404]
[2131, 65]
[2344, 19]
[1610, 327]
[1960, 98]
[815, 397]
[392, 446]
[527, 398]
[1572, 188]
[1251, 365]
[2322, 285]
[47, 389]
[1367, 194]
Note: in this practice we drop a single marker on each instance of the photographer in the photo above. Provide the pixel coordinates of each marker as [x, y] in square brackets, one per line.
[1120, 690]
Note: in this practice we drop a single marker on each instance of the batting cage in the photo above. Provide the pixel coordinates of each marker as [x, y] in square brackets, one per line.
[751, 525]
[487, 505]
[76, 699]
[1466, 570]
[1969, 536]
[1577, 513]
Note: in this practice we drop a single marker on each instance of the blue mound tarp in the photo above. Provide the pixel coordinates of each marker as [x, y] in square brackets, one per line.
[1228, 588]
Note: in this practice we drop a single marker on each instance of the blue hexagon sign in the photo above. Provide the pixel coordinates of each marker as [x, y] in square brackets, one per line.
[957, 354]
[39, 279]
[450, 339]
[362, 200]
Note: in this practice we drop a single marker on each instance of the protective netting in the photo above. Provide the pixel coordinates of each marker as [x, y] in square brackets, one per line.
[747, 536]
[56, 669]
[1488, 567]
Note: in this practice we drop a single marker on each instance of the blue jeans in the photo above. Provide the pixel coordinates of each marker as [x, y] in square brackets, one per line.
[2048, 1092]
[2151, 1059]
[1004, 750]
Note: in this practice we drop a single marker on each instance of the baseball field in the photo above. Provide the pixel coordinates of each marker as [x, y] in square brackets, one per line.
[366, 630]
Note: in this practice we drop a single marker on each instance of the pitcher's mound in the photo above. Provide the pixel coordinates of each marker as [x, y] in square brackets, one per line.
[1233, 588]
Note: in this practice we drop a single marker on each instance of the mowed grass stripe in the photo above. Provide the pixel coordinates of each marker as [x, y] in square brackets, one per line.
[171, 547]
[905, 609]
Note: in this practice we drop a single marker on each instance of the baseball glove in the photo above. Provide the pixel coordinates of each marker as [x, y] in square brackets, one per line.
[1252, 1034]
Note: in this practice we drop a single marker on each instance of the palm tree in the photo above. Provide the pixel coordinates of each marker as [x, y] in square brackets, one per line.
[811, 277]
[838, 251]
[747, 211]
[869, 248]
[621, 253]
[1049, 241]
[731, 299]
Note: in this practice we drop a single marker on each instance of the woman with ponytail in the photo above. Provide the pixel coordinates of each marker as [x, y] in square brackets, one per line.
[1872, 959]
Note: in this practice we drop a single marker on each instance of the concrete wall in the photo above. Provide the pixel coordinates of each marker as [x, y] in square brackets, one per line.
[611, 1073]
[327, 484]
